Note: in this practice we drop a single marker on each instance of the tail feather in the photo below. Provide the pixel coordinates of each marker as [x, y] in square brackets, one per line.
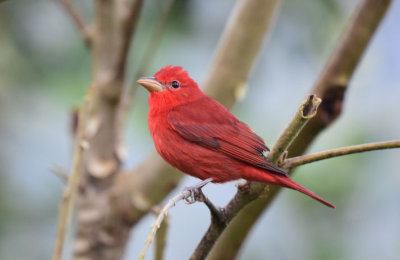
[287, 182]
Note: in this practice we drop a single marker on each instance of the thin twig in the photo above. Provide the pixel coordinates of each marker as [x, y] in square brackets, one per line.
[155, 39]
[161, 238]
[73, 182]
[163, 213]
[189, 194]
[153, 43]
[60, 172]
[305, 159]
[80, 23]
[128, 17]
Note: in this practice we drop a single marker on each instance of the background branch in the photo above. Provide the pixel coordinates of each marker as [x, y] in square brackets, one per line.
[183, 195]
[102, 233]
[80, 23]
[339, 68]
[74, 178]
[153, 43]
[155, 39]
[127, 15]
[238, 47]
[330, 86]
[309, 158]
[161, 239]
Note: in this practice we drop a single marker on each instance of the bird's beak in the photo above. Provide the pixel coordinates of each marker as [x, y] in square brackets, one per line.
[151, 84]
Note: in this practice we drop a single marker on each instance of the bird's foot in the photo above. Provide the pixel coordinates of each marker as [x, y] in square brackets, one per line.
[195, 192]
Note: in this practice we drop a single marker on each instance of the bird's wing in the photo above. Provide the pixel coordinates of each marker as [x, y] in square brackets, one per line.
[229, 136]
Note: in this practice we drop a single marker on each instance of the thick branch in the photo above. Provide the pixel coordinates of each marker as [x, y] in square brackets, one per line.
[252, 190]
[74, 178]
[305, 159]
[80, 23]
[102, 232]
[238, 48]
[330, 86]
[236, 53]
[336, 75]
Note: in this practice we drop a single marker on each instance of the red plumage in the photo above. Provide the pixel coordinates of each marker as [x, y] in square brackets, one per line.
[197, 135]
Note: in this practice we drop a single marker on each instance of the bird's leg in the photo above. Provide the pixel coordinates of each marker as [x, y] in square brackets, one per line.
[195, 191]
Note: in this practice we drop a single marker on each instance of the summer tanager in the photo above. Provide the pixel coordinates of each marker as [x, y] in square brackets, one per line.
[197, 135]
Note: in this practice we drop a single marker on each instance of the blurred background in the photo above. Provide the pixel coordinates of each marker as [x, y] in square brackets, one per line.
[45, 70]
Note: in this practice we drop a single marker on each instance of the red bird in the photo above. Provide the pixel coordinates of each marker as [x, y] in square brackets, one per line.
[197, 135]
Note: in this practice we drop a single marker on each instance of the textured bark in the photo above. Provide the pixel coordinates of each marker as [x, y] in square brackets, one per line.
[101, 232]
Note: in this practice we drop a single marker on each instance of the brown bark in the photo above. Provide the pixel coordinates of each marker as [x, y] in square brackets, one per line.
[101, 232]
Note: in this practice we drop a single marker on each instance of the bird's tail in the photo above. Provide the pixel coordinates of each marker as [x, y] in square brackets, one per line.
[288, 183]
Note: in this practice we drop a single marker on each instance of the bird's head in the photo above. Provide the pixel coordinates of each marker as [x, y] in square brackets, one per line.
[171, 85]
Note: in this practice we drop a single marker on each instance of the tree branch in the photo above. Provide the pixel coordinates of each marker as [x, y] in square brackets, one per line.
[252, 190]
[161, 239]
[155, 39]
[331, 87]
[102, 233]
[336, 75]
[183, 195]
[74, 178]
[83, 27]
[60, 173]
[238, 48]
[306, 111]
[127, 15]
[150, 51]
[305, 159]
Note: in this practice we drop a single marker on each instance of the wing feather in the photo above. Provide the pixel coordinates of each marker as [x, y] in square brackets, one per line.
[229, 136]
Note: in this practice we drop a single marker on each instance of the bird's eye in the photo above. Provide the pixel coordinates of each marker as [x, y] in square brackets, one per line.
[175, 84]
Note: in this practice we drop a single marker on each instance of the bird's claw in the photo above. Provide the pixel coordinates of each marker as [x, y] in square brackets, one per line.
[194, 195]
[195, 192]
